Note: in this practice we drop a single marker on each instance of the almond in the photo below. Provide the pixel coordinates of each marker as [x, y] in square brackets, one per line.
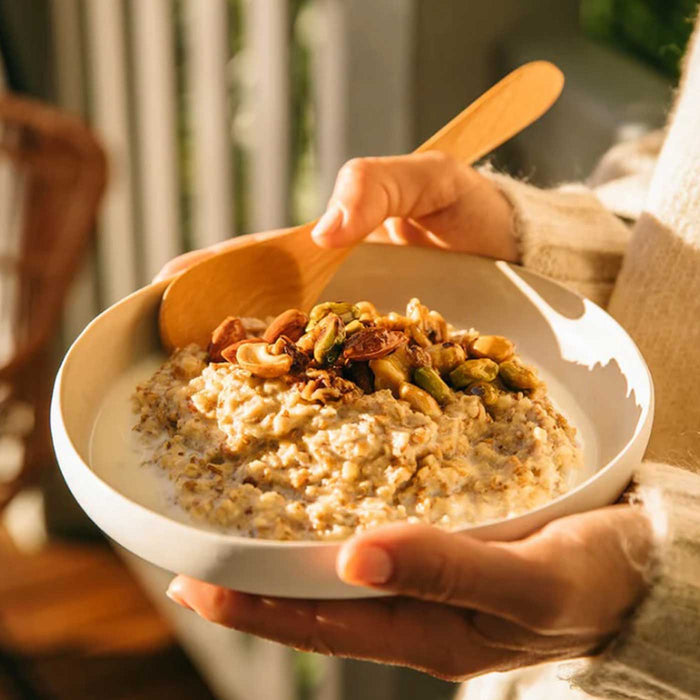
[372, 343]
[229, 331]
[291, 323]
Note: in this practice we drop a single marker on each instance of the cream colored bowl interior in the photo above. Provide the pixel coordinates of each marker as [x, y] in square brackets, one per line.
[595, 374]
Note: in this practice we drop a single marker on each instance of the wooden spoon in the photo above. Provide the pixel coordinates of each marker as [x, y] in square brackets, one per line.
[269, 272]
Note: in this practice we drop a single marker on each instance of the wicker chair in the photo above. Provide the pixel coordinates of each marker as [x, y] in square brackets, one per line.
[52, 176]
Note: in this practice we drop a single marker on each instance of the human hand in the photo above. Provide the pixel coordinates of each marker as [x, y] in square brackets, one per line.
[424, 199]
[463, 607]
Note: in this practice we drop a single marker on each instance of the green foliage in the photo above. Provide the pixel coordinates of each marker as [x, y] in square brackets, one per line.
[655, 30]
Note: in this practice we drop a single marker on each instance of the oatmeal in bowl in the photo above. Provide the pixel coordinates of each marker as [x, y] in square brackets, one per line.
[313, 427]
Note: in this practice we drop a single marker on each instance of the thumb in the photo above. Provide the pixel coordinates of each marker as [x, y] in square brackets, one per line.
[369, 190]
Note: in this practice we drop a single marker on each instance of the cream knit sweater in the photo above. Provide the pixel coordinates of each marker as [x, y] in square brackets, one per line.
[651, 282]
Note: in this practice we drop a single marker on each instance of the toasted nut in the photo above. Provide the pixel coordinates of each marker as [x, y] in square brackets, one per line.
[324, 386]
[437, 327]
[360, 374]
[488, 393]
[417, 336]
[366, 311]
[419, 399]
[444, 357]
[495, 347]
[393, 369]
[353, 327]
[418, 356]
[284, 345]
[431, 323]
[372, 343]
[308, 340]
[427, 378]
[256, 358]
[393, 321]
[417, 312]
[229, 331]
[329, 345]
[473, 371]
[346, 311]
[229, 353]
[516, 376]
[291, 323]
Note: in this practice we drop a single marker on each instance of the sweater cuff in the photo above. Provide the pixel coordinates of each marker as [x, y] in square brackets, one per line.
[566, 233]
[657, 655]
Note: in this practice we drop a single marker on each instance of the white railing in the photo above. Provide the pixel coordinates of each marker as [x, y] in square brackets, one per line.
[141, 69]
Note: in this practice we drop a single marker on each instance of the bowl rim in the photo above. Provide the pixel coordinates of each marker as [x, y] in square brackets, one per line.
[62, 441]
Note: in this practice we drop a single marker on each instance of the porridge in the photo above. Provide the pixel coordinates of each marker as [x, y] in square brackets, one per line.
[314, 427]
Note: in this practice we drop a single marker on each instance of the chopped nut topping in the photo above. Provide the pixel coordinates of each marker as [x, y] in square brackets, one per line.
[342, 350]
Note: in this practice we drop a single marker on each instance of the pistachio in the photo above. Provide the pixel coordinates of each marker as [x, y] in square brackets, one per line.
[444, 357]
[391, 370]
[360, 374]
[488, 393]
[291, 323]
[229, 331]
[372, 343]
[516, 376]
[366, 311]
[495, 347]
[473, 371]
[427, 378]
[419, 399]
[256, 358]
[353, 327]
[347, 312]
[329, 344]
[308, 340]
[229, 353]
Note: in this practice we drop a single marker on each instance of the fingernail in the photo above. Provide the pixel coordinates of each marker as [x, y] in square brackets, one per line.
[366, 565]
[328, 224]
[175, 594]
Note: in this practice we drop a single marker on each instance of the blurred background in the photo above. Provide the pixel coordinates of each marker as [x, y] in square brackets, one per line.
[218, 118]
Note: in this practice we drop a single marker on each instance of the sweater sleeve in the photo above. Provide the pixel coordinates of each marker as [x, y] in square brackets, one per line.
[656, 656]
[567, 234]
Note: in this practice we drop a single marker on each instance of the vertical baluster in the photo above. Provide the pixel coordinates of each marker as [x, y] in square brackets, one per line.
[81, 302]
[154, 74]
[268, 42]
[118, 262]
[206, 29]
[329, 79]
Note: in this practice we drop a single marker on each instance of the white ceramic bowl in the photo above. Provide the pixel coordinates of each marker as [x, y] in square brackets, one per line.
[595, 374]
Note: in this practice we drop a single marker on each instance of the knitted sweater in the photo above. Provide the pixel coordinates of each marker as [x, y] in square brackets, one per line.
[650, 279]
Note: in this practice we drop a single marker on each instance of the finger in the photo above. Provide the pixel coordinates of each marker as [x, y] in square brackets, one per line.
[369, 190]
[434, 565]
[432, 638]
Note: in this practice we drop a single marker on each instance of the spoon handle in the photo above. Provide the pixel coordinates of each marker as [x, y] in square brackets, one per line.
[504, 110]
